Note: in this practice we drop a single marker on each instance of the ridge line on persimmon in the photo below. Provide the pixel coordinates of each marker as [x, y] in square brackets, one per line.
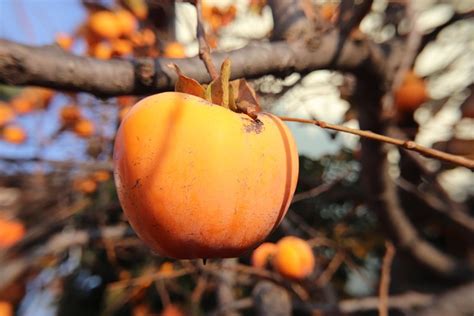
[406, 144]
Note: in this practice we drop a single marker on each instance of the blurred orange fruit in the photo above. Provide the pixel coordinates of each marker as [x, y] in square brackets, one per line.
[411, 94]
[22, 105]
[261, 256]
[85, 185]
[172, 310]
[174, 50]
[6, 113]
[6, 308]
[102, 51]
[294, 258]
[70, 114]
[126, 100]
[105, 24]
[14, 134]
[166, 268]
[84, 128]
[101, 175]
[121, 47]
[64, 41]
[126, 22]
[329, 11]
[11, 231]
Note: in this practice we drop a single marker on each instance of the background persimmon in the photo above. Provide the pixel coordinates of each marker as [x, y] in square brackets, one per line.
[126, 22]
[261, 256]
[70, 114]
[411, 94]
[174, 50]
[14, 134]
[84, 128]
[10, 232]
[192, 189]
[6, 113]
[294, 258]
[85, 185]
[105, 24]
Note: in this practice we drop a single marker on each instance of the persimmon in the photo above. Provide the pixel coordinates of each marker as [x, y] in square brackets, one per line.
[172, 310]
[126, 100]
[64, 41]
[14, 134]
[105, 24]
[84, 128]
[294, 258]
[101, 175]
[102, 51]
[6, 113]
[166, 268]
[11, 231]
[121, 47]
[411, 94]
[22, 105]
[329, 12]
[174, 50]
[6, 308]
[85, 185]
[126, 22]
[70, 114]
[262, 255]
[197, 180]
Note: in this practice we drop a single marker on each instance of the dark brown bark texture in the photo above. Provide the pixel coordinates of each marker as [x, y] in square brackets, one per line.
[49, 66]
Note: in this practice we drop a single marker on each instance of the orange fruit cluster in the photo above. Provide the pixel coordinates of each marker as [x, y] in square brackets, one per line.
[71, 118]
[292, 257]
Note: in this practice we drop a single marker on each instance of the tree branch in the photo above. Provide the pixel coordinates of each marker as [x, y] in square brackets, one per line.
[406, 144]
[51, 67]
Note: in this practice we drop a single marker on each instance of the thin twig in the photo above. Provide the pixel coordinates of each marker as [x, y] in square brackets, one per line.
[406, 144]
[332, 267]
[385, 279]
[204, 50]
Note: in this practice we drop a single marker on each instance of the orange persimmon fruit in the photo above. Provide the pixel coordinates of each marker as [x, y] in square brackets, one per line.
[197, 180]
[85, 185]
[294, 258]
[262, 255]
[22, 104]
[70, 114]
[11, 231]
[411, 94]
[102, 51]
[105, 24]
[6, 113]
[126, 22]
[14, 134]
[121, 47]
[101, 175]
[84, 128]
[172, 310]
[64, 41]
[174, 50]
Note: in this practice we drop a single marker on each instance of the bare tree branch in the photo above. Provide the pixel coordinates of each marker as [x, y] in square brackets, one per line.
[52, 67]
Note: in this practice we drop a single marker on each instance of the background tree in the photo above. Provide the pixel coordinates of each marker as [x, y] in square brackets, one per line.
[380, 228]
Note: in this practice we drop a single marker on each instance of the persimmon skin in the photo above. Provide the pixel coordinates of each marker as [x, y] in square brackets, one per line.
[294, 258]
[197, 180]
[411, 94]
[262, 254]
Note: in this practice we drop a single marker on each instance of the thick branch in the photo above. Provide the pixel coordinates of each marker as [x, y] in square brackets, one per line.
[383, 197]
[51, 67]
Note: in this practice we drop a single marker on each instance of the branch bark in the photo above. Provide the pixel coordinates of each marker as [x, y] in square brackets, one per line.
[49, 66]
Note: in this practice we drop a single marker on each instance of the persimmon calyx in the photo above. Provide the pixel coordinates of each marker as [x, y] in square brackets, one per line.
[236, 95]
